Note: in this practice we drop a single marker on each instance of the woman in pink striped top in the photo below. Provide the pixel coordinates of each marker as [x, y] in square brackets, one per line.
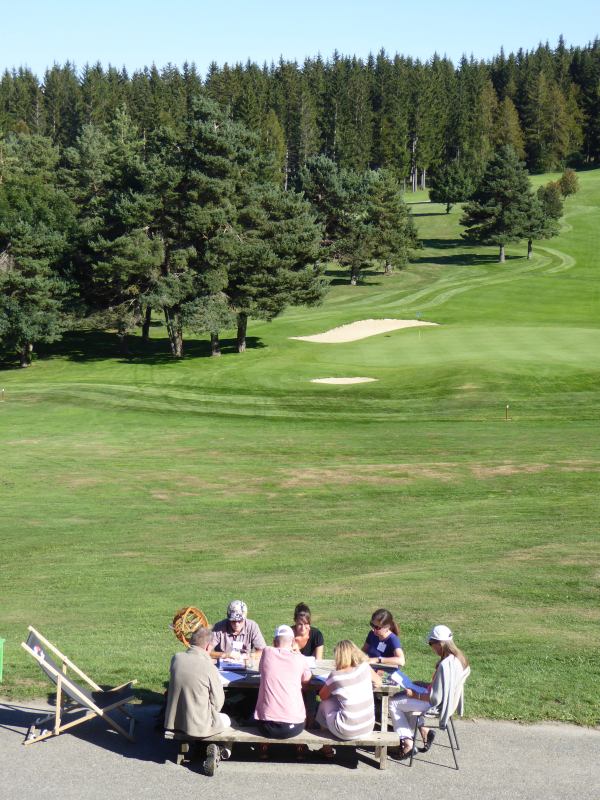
[346, 707]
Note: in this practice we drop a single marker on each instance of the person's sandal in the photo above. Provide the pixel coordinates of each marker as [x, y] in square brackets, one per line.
[404, 753]
[429, 742]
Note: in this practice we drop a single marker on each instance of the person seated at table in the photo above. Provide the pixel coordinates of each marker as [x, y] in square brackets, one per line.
[195, 696]
[347, 709]
[280, 709]
[308, 640]
[449, 672]
[236, 636]
[383, 645]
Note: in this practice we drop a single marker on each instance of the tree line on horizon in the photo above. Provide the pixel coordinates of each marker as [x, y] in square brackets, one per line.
[412, 117]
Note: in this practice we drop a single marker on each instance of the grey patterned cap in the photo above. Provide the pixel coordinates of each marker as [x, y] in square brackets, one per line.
[237, 610]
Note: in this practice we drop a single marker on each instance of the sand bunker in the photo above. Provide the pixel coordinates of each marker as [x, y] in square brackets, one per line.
[362, 329]
[343, 380]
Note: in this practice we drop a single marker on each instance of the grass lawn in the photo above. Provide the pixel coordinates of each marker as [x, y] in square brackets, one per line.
[131, 487]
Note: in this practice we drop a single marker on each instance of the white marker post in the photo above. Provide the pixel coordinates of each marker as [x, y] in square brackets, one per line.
[506, 413]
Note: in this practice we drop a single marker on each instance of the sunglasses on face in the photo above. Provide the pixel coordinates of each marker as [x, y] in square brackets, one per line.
[377, 627]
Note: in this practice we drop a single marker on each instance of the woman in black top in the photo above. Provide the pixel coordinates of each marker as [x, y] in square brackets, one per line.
[309, 640]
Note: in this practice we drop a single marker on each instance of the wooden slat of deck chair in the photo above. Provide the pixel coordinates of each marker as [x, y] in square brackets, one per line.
[71, 698]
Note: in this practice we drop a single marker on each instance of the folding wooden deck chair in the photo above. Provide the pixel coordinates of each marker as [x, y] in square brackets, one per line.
[75, 704]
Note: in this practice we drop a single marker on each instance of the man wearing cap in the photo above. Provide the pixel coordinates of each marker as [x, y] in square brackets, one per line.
[236, 636]
[280, 710]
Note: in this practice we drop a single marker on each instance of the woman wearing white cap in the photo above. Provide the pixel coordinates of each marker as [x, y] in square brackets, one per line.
[448, 674]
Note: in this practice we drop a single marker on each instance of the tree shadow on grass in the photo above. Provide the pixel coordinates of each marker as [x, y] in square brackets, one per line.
[342, 278]
[450, 258]
[88, 346]
[6, 364]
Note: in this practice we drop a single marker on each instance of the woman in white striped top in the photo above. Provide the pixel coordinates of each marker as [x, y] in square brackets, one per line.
[346, 707]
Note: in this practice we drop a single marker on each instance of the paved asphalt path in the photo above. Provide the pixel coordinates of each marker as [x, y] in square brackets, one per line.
[497, 760]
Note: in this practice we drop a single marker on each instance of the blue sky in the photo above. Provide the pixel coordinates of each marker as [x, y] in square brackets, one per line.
[133, 33]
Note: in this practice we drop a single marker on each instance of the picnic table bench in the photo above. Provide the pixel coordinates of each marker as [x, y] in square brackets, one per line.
[380, 740]
[245, 679]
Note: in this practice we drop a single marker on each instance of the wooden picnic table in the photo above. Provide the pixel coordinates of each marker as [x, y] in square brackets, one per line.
[250, 679]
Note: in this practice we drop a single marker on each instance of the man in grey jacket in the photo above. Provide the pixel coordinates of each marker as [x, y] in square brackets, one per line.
[196, 694]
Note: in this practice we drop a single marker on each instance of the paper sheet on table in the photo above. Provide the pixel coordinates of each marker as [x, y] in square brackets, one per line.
[401, 679]
[229, 676]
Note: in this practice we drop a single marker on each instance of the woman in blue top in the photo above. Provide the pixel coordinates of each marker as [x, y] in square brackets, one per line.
[383, 645]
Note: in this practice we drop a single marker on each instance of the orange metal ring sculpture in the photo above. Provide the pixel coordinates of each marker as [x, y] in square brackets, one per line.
[187, 620]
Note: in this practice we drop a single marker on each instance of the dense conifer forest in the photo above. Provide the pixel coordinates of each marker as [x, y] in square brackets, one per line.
[397, 112]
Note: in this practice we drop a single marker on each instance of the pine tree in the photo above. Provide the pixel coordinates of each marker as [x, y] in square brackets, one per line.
[115, 258]
[503, 205]
[273, 256]
[36, 220]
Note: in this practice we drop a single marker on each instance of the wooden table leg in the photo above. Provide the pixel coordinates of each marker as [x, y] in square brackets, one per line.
[381, 752]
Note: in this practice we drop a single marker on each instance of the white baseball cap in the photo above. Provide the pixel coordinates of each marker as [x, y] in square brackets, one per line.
[285, 631]
[439, 633]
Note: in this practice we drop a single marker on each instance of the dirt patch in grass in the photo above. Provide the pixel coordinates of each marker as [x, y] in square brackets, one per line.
[392, 474]
[511, 468]
[504, 470]
[81, 481]
[556, 552]
[579, 465]
[98, 448]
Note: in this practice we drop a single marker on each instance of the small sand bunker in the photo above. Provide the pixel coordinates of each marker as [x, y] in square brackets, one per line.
[343, 380]
[361, 329]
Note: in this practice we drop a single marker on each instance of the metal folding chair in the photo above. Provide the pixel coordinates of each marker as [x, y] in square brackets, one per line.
[449, 728]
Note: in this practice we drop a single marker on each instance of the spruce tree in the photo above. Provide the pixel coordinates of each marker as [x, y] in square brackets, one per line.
[389, 216]
[508, 128]
[503, 206]
[451, 185]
